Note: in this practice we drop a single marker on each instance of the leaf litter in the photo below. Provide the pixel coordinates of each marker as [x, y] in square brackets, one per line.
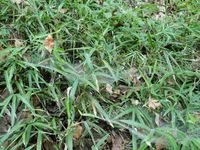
[109, 89]
[18, 1]
[161, 143]
[132, 75]
[153, 103]
[117, 142]
[18, 43]
[49, 43]
[78, 131]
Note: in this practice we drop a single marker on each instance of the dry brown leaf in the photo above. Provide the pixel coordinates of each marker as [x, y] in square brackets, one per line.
[161, 143]
[117, 92]
[1, 48]
[197, 115]
[78, 131]
[101, 2]
[17, 1]
[161, 14]
[123, 88]
[137, 87]
[26, 115]
[109, 139]
[18, 43]
[153, 104]
[48, 145]
[159, 121]
[4, 94]
[196, 64]
[27, 57]
[63, 10]
[4, 124]
[3, 56]
[109, 89]
[49, 43]
[170, 81]
[135, 102]
[132, 75]
[117, 143]
[35, 101]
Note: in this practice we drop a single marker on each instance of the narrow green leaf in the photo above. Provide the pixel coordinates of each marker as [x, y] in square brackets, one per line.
[39, 140]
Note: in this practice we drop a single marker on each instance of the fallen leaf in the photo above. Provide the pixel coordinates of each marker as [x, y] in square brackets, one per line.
[117, 92]
[195, 64]
[56, 21]
[159, 121]
[35, 101]
[49, 43]
[17, 1]
[170, 81]
[78, 131]
[5, 144]
[27, 57]
[63, 10]
[124, 89]
[109, 89]
[153, 104]
[117, 143]
[161, 143]
[48, 145]
[135, 102]
[1, 48]
[18, 43]
[4, 94]
[26, 115]
[161, 14]
[132, 75]
[4, 124]
[2, 57]
[197, 114]
[109, 139]
[101, 2]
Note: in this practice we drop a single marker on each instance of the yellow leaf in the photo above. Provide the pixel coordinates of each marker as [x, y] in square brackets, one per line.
[49, 43]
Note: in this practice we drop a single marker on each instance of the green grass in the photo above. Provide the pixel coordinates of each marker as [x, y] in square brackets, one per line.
[44, 96]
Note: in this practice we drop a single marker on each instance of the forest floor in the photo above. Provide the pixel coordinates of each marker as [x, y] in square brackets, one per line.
[99, 75]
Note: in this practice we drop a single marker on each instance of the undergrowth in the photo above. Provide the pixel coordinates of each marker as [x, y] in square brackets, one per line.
[115, 69]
